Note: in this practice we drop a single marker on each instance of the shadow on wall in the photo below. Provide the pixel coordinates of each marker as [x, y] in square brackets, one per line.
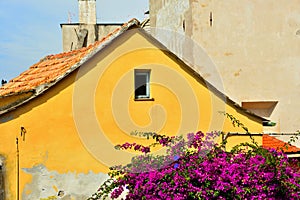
[261, 108]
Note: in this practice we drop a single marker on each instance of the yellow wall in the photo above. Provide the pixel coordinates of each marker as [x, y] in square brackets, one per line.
[72, 128]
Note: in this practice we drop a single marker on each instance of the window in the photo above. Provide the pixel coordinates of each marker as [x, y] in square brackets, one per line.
[141, 84]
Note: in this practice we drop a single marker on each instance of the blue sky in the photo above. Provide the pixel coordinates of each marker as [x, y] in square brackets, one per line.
[30, 29]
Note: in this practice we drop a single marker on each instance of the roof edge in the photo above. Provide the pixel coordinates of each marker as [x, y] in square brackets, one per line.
[44, 87]
[208, 84]
[98, 24]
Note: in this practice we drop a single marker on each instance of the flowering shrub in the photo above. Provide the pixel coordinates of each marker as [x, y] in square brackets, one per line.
[197, 168]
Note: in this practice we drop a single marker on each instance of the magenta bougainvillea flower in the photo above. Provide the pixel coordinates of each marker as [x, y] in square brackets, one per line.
[197, 168]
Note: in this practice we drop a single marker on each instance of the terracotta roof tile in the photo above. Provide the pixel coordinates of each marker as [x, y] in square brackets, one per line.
[49, 68]
[274, 143]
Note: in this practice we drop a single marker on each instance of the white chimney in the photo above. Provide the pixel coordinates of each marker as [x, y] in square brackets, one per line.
[87, 12]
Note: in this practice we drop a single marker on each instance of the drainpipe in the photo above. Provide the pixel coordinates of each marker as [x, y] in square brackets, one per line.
[18, 166]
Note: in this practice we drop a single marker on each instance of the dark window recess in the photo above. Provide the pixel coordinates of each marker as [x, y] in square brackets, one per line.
[210, 19]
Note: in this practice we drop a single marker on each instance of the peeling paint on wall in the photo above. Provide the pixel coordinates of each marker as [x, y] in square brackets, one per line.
[47, 184]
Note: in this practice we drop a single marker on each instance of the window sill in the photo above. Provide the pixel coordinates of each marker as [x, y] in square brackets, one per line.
[144, 99]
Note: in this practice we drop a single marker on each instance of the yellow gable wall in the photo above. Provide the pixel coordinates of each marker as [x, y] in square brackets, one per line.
[72, 128]
[51, 138]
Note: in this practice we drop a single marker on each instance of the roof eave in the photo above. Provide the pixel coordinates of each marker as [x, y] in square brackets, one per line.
[44, 87]
[208, 84]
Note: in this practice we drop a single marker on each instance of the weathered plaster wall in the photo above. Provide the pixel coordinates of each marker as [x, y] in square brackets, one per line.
[172, 11]
[105, 29]
[46, 184]
[254, 44]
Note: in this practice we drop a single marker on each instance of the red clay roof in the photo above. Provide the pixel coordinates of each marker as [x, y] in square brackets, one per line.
[274, 143]
[52, 67]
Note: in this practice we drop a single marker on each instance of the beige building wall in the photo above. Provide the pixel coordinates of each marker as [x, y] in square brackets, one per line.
[255, 46]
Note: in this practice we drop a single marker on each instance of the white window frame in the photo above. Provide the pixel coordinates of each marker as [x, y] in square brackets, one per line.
[142, 72]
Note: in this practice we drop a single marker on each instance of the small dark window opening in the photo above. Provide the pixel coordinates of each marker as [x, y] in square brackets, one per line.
[210, 19]
[141, 84]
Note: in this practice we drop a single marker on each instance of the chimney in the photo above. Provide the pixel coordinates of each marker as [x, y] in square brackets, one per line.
[76, 36]
[87, 11]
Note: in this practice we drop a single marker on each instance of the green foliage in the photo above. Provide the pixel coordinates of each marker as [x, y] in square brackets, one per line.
[237, 123]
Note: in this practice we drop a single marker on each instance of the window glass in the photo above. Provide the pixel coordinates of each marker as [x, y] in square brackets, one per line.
[141, 81]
